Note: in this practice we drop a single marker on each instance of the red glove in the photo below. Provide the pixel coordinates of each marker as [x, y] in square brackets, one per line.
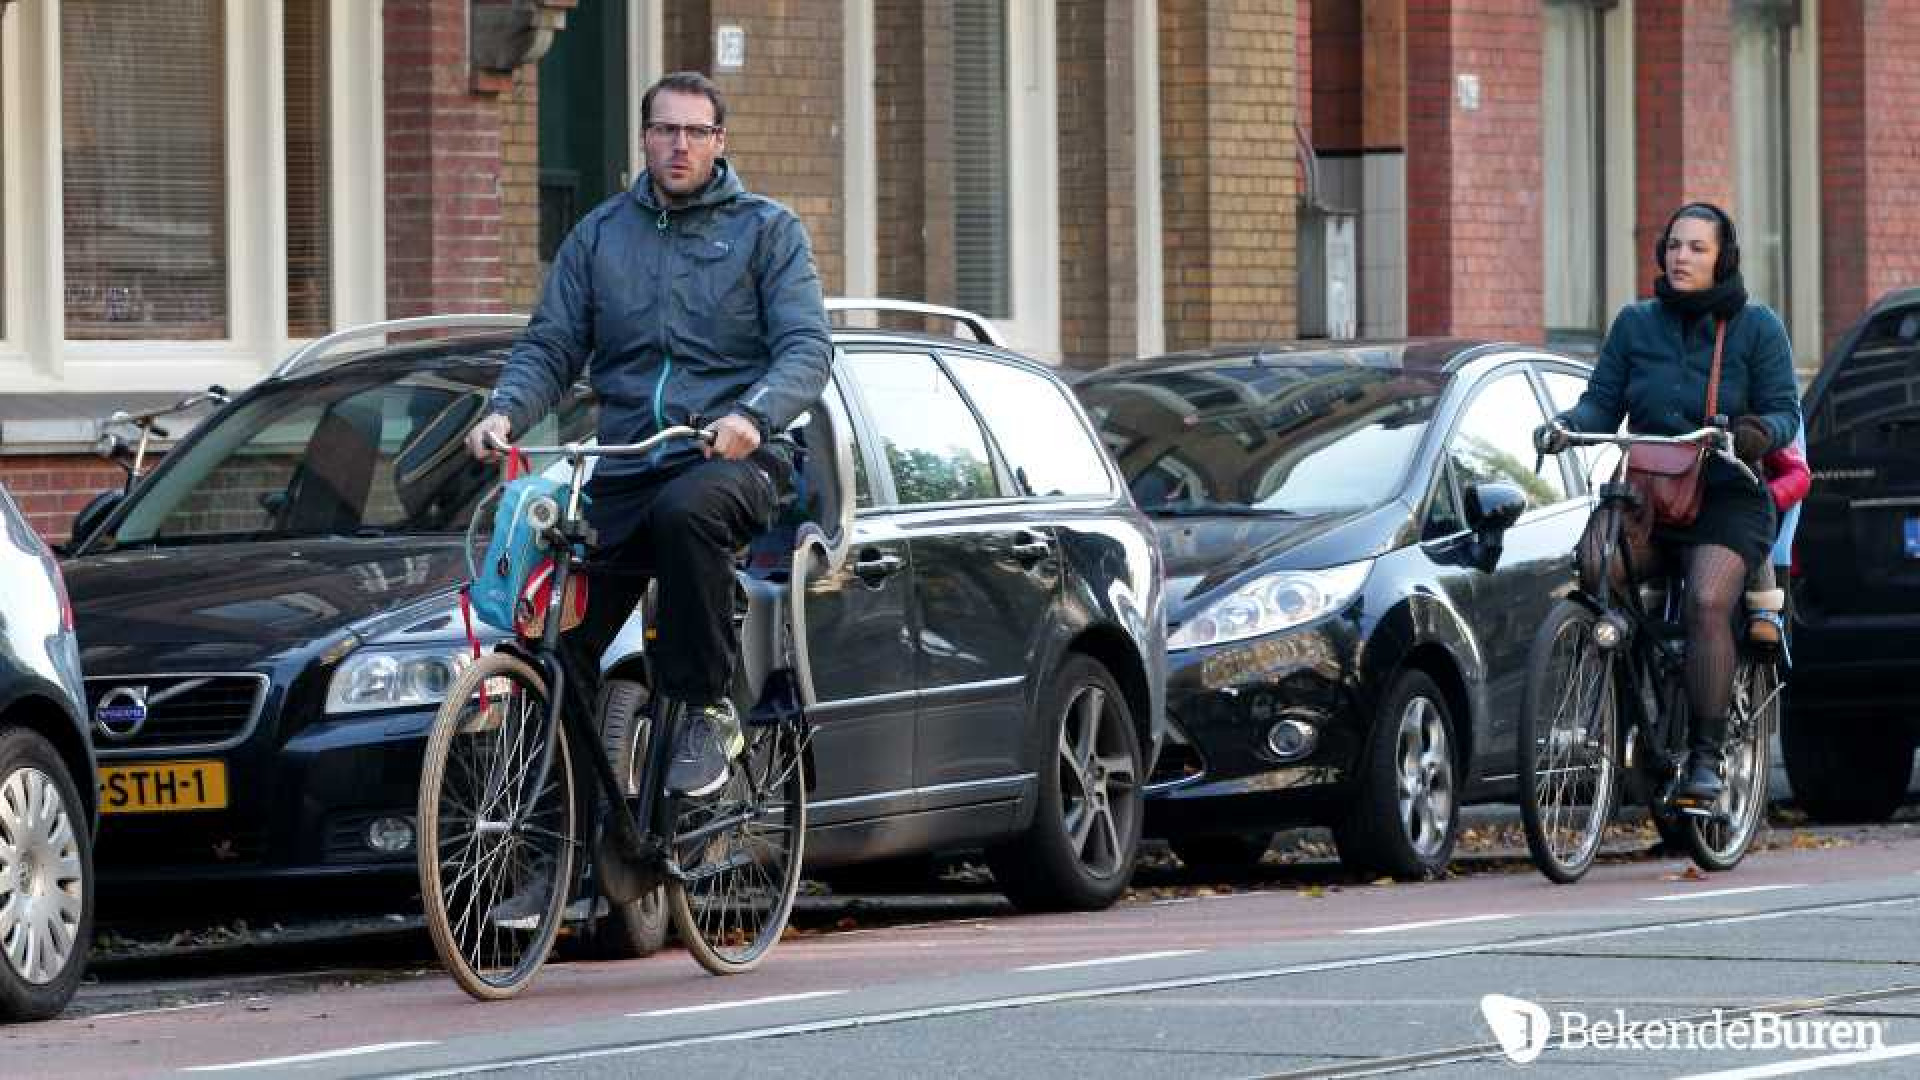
[1788, 476]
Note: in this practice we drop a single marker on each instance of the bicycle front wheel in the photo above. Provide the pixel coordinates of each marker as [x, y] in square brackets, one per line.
[496, 837]
[739, 855]
[1718, 841]
[1569, 728]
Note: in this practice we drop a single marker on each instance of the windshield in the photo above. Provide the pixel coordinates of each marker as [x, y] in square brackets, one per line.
[374, 452]
[1253, 439]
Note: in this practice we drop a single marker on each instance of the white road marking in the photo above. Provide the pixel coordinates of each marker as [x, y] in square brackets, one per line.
[845, 1023]
[716, 1006]
[1805, 1065]
[1717, 892]
[1395, 927]
[299, 1059]
[1105, 960]
[155, 1011]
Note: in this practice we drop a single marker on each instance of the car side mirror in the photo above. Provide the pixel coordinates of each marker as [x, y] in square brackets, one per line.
[1493, 508]
[92, 516]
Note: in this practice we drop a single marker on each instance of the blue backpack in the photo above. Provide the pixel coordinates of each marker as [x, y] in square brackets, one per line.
[515, 554]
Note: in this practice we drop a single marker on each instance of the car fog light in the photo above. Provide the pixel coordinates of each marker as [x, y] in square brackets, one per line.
[1290, 740]
[390, 835]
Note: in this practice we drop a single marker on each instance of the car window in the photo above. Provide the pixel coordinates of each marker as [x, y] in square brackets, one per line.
[1596, 462]
[1494, 441]
[1869, 402]
[1444, 517]
[933, 447]
[362, 453]
[1262, 439]
[1037, 428]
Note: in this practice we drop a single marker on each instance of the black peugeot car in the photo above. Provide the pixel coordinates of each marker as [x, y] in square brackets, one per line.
[270, 619]
[1359, 547]
[1853, 703]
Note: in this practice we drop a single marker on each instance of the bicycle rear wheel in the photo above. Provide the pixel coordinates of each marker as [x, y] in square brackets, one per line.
[1569, 728]
[1717, 842]
[739, 854]
[495, 854]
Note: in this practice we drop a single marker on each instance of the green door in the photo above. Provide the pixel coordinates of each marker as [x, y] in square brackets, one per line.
[583, 118]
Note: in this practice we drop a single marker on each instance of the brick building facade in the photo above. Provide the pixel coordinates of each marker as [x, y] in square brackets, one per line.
[1103, 177]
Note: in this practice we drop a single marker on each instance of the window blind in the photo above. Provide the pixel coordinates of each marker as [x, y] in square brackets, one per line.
[309, 170]
[982, 259]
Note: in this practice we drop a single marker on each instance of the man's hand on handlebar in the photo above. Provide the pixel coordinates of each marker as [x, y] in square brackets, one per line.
[479, 445]
[1550, 438]
[733, 437]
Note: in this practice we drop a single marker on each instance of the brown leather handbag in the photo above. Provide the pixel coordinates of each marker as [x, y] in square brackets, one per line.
[1668, 477]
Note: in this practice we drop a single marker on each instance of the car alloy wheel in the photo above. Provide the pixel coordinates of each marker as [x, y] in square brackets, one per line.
[1096, 780]
[42, 877]
[1426, 777]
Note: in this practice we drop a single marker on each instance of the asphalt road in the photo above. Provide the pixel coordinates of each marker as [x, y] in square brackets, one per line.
[1289, 974]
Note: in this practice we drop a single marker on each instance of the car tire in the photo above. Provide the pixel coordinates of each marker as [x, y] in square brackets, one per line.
[626, 931]
[637, 928]
[1403, 815]
[1221, 852]
[49, 860]
[1089, 782]
[1847, 770]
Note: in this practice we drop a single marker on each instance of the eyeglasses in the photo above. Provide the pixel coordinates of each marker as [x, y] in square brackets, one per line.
[695, 133]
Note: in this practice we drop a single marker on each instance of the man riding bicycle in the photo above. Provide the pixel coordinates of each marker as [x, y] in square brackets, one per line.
[689, 301]
[1655, 370]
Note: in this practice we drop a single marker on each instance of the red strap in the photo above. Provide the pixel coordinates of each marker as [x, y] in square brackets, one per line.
[473, 640]
[516, 463]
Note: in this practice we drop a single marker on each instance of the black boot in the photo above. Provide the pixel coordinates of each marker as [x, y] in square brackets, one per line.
[1701, 784]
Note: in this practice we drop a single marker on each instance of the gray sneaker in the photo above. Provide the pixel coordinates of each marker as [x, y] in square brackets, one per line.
[710, 739]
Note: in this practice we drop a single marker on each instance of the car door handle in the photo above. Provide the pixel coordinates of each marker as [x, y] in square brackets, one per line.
[1029, 548]
[873, 566]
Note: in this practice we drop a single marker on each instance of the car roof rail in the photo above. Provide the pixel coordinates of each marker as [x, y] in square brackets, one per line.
[977, 325]
[318, 347]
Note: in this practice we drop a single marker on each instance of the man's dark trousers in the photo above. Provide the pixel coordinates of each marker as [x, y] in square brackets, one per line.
[682, 530]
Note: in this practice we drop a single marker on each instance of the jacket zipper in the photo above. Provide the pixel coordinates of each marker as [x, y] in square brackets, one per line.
[660, 225]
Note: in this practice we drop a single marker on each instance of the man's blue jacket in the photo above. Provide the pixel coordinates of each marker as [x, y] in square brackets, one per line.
[678, 315]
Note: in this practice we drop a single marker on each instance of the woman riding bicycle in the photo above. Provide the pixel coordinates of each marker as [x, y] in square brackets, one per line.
[1653, 370]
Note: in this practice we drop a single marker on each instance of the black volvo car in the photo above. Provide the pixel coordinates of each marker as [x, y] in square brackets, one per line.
[270, 619]
[1360, 546]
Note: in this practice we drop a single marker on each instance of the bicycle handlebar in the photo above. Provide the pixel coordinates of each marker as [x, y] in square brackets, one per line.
[1717, 441]
[216, 395]
[578, 452]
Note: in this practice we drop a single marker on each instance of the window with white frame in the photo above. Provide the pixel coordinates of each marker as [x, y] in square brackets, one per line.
[199, 189]
[1763, 162]
[143, 169]
[1573, 122]
[982, 194]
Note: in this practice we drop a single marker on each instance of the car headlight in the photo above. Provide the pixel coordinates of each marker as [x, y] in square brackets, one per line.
[379, 678]
[1273, 602]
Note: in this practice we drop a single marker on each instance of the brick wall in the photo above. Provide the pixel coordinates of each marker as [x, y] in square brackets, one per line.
[1473, 177]
[1229, 170]
[784, 130]
[1683, 115]
[1870, 176]
[913, 81]
[1338, 54]
[444, 225]
[52, 488]
[1099, 252]
[520, 190]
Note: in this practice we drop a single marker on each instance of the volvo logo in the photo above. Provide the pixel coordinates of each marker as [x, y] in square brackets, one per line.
[122, 712]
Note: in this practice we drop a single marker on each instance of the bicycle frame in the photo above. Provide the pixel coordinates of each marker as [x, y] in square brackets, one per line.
[1640, 642]
[567, 711]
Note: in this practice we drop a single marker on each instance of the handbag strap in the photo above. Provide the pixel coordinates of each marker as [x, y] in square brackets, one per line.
[1713, 377]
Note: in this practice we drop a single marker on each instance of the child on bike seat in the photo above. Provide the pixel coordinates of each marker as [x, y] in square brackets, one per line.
[1788, 477]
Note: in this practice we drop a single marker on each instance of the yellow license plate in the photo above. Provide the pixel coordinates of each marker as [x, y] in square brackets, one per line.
[158, 786]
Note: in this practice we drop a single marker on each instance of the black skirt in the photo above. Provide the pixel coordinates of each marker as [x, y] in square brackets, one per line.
[1733, 514]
